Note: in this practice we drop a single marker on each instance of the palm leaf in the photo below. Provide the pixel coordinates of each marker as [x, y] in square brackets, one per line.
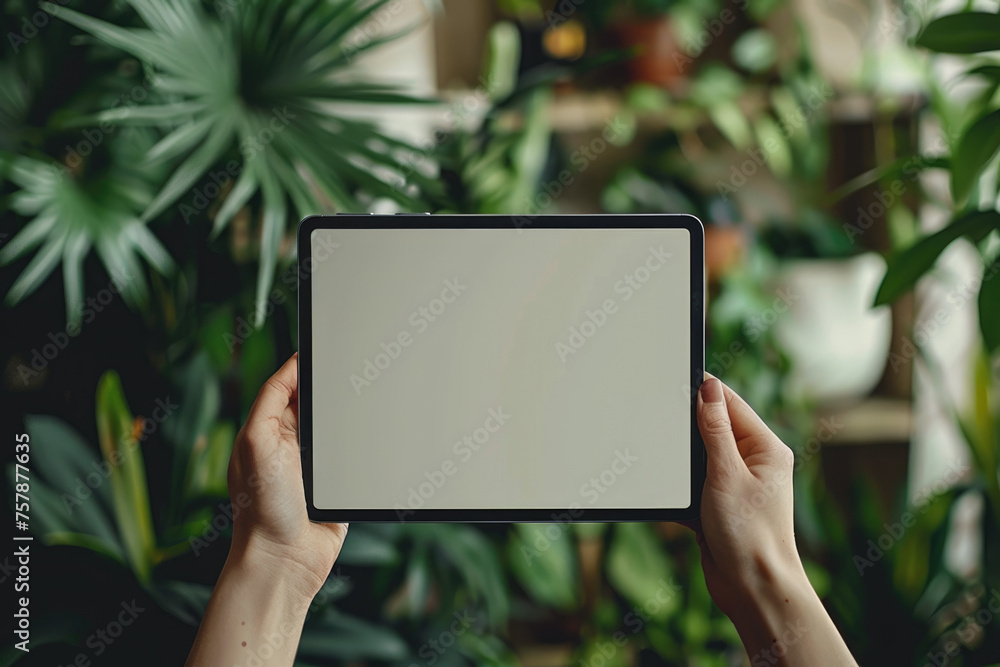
[72, 216]
[265, 83]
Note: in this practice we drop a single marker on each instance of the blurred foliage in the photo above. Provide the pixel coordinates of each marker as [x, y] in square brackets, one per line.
[160, 122]
[75, 209]
[255, 94]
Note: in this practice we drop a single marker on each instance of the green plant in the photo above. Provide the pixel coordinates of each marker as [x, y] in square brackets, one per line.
[254, 94]
[973, 131]
[914, 586]
[73, 210]
[655, 600]
[497, 167]
[112, 514]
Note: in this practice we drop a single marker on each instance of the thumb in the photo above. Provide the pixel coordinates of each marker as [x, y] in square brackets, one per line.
[717, 428]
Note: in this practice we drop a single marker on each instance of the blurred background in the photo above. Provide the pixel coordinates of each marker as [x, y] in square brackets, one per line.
[156, 155]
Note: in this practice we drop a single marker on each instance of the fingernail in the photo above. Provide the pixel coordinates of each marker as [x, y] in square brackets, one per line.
[711, 391]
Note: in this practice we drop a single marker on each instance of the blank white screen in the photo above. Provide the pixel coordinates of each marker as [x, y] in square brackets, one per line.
[402, 397]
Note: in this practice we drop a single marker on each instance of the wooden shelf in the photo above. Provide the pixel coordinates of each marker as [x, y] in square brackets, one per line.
[873, 421]
[590, 111]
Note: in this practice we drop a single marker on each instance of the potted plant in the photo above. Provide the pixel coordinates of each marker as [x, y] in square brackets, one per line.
[837, 343]
[645, 28]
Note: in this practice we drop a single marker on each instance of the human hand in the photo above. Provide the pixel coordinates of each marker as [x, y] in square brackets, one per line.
[746, 531]
[271, 526]
[747, 540]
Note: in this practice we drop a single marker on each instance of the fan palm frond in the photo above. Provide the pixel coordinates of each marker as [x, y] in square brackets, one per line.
[266, 81]
[68, 215]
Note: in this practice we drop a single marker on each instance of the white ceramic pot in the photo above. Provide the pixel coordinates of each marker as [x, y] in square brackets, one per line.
[837, 343]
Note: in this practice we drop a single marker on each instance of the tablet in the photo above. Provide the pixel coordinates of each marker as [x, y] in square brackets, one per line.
[501, 368]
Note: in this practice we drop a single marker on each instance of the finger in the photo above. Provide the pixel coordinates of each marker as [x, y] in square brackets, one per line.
[746, 422]
[277, 392]
[717, 429]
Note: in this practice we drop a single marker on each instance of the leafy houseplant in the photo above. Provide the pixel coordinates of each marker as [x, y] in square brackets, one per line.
[75, 210]
[103, 505]
[649, 32]
[933, 605]
[252, 95]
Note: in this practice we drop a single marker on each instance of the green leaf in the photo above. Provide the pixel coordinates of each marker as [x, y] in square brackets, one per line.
[989, 307]
[640, 570]
[73, 217]
[976, 148]
[41, 265]
[542, 560]
[122, 450]
[246, 185]
[288, 143]
[418, 579]
[991, 72]
[189, 428]
[84, 541]
[347, 638]
[905, 168]
[367, 547]
[186, 175]
[74, 252]
[907, 266]
[272, 229]
[183, 599]
[209, 463]
[257, 362]
[30, 236]
[77, 497]
[732, 123]
[502, 58]
[468, 550]
[969, 32]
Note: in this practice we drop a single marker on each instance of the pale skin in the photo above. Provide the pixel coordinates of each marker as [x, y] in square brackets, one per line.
[279, 559]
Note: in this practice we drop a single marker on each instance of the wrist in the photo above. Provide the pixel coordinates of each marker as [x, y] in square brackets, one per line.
[775, 601]
[276, 569]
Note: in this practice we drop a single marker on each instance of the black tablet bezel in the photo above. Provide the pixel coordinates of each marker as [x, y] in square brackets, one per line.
[425, 221]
